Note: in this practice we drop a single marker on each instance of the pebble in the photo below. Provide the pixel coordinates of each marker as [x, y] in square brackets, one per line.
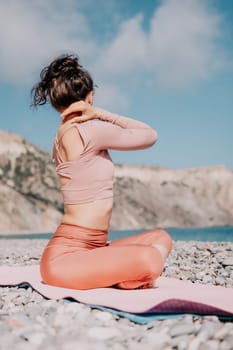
[180, 342]
[103, 333]
[207, 279]
[209, 329]
[220, 281]
[159, 339]
[227, 262]
[194, 344]
[180, 329]
[34, 338]
[210, 345]
[228, 342]
[224, 331]
[28, 321]
[103, 316]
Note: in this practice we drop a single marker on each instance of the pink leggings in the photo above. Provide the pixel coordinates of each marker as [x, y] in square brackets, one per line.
[81, 258]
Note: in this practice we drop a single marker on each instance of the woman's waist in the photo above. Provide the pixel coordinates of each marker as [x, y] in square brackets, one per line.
[95, 215]
[72, 238]
[73, 231]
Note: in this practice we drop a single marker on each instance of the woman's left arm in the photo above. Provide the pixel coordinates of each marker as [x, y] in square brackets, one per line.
[112, 131]
[105, 135]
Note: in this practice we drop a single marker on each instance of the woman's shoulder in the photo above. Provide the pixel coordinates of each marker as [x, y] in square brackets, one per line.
[65, 130]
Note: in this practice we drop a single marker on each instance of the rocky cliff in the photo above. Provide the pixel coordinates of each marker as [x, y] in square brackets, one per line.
[145, 197]
[153, 196]
[30, 200]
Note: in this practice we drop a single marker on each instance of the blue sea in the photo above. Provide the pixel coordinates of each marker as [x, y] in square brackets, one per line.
[205, 234]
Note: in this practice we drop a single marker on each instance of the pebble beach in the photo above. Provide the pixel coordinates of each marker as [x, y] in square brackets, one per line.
[29, 321]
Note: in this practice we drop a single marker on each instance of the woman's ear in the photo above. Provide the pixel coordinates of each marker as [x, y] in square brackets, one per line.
[89, 98]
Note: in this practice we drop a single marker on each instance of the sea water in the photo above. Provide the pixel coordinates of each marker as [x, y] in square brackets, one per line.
[205, 234]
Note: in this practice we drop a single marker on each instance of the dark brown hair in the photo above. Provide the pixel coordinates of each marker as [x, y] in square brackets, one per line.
[62, 82]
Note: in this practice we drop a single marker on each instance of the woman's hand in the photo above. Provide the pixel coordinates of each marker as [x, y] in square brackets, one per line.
[79, 112]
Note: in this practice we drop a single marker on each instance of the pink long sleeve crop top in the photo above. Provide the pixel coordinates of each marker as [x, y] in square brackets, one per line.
[91, 173]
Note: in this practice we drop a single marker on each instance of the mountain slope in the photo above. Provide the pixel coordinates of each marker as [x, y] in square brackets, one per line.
[144, 197]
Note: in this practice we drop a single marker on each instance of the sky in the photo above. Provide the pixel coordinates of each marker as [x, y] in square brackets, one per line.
[168, 63]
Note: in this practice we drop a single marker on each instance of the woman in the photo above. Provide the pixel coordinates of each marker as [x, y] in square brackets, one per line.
[78, 255]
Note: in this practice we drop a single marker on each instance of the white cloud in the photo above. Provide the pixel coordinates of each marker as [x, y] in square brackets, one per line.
[33, 32]
[111, 97]
[180, 46]
[182, 42]
[127, 51]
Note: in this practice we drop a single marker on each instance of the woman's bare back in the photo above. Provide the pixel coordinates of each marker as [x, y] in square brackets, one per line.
[96, 214]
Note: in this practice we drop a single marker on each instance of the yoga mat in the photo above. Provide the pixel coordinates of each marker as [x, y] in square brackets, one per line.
[171, 297]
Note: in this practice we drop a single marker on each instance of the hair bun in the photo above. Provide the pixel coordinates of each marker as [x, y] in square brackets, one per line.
[63, 82]
[65, 66]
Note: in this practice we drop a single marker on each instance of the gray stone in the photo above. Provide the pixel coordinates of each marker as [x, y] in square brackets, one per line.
[209, 329]
[103, 333]
[22, 345]
[35, 338]
[200, 275]
[194, 344]
[220, 281]
[227, 262]
[224, 273]
[181, 342]
[104, 317]
[209, 345]
[76, 344]
[224, 331]
[227, 344]
[181, 329]
[158, 339]
[207, 279]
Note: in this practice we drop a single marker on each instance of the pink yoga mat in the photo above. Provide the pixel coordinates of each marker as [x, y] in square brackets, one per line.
[169, 296]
